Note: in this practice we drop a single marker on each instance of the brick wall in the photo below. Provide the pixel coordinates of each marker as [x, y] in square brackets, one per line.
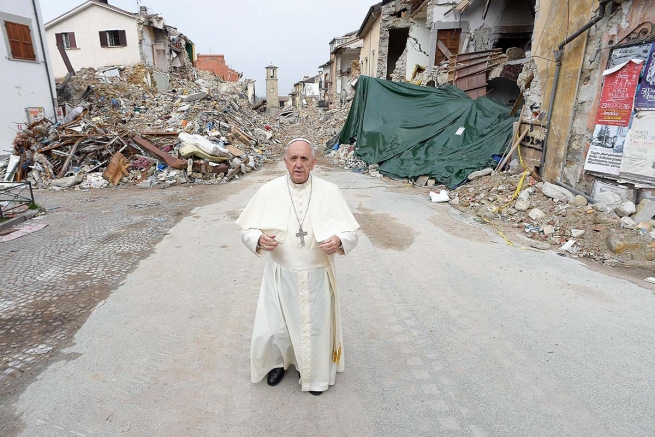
[216, 64]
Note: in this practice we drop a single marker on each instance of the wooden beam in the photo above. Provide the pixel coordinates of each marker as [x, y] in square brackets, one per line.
[442, 47]
[64, 168]
[170, 160]
[67, 62]
[486, 9]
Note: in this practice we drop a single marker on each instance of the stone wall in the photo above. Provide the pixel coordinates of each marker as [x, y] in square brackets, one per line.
[389, 21]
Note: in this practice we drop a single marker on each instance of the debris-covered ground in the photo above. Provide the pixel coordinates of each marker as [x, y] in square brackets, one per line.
[129, 127]
[554, 218]
[543, 216]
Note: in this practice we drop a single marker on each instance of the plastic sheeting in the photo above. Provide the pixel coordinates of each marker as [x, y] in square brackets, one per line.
[413, 131]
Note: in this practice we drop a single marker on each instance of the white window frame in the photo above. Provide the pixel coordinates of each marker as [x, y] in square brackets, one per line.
[109, 39]
[65, 37]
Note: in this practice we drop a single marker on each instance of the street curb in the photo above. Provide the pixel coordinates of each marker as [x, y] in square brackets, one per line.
[19, 219]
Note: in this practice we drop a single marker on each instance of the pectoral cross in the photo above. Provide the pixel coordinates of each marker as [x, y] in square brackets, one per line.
[301, 234]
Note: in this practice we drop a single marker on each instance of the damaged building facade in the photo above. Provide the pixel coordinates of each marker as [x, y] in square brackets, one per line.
[163, 46]
[549, 60]
[339, 74]
[602, 102]
[416, 41]
[305, 93]
[96, 34]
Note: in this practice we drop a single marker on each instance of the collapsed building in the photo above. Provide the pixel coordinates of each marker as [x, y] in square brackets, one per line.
[98, 35]
[338, 76]
[305, 93]
[547, 60]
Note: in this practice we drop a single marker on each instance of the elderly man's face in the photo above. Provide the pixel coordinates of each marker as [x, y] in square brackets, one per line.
[300, 161]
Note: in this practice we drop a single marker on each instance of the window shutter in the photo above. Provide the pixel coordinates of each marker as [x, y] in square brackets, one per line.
[103, 38]
[60, 39]
[14, 40]
[71, 38]
[28, 49]
[20, 41]
[122, 38]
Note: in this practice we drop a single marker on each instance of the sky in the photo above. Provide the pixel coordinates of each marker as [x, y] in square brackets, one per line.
[292, 34]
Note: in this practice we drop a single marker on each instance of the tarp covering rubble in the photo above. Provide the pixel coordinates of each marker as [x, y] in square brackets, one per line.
[413, 131]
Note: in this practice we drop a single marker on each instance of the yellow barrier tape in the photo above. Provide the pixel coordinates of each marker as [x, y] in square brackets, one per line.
[516, 193]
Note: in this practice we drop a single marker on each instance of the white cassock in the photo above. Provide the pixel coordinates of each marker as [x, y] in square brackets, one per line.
[298, 315]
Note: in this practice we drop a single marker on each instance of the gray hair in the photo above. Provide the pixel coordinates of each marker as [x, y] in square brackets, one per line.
[311, 146]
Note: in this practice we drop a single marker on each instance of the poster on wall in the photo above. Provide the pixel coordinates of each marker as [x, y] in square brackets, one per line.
[606, 149]
[34, 114]
[646, 94]
[618, 94]
[624, 54]
[638, 164]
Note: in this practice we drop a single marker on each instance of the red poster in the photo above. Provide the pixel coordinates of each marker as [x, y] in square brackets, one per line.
[617, 99]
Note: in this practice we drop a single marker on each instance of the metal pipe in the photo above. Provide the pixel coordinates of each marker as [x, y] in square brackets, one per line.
[53, 95]
[574, 191]
[549, 116]
[559, 55]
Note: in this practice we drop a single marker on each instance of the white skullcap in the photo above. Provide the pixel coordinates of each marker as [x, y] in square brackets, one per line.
[300, 139]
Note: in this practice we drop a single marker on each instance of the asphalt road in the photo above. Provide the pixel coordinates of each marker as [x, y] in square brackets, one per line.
[447, 330]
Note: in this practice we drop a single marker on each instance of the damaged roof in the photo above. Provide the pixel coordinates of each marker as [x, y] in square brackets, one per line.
[371, 11]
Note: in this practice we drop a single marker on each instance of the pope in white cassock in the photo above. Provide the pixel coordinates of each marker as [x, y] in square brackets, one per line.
[300, 222]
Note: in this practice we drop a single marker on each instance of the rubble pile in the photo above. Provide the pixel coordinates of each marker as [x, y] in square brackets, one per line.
[138, 125]
[313, 123]
[344, 156]
[611, 230]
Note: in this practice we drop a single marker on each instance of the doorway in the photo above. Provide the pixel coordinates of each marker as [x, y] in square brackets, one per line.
[397, 43]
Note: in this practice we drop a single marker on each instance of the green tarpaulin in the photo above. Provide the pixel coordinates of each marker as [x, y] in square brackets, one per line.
[413, 131]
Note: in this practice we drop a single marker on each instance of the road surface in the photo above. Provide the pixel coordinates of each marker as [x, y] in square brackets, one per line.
[447, 330]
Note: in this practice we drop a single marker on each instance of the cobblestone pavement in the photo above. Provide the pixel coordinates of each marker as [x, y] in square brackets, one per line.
[52, 279]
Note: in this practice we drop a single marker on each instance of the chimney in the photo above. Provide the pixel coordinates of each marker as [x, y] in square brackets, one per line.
[143, 11]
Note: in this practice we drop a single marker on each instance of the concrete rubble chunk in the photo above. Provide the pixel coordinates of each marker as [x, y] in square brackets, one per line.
[617, 246]
[628, 223]
[261, 134]
[480, 173]
[556, 192]
[645, 211]
[525, 194]
[536, 214]
[625, 208]
[601, 207]
[485, 213]
[541, 245]
[145, 184]
[609, 198]
[193, 97]
[577, 233]
[579, 200]
[69, 181]
[522, 205]
[549, 230]
[568, 246]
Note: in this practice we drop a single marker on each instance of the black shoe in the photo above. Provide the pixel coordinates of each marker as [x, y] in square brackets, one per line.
[316, 393]
[275, 376]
